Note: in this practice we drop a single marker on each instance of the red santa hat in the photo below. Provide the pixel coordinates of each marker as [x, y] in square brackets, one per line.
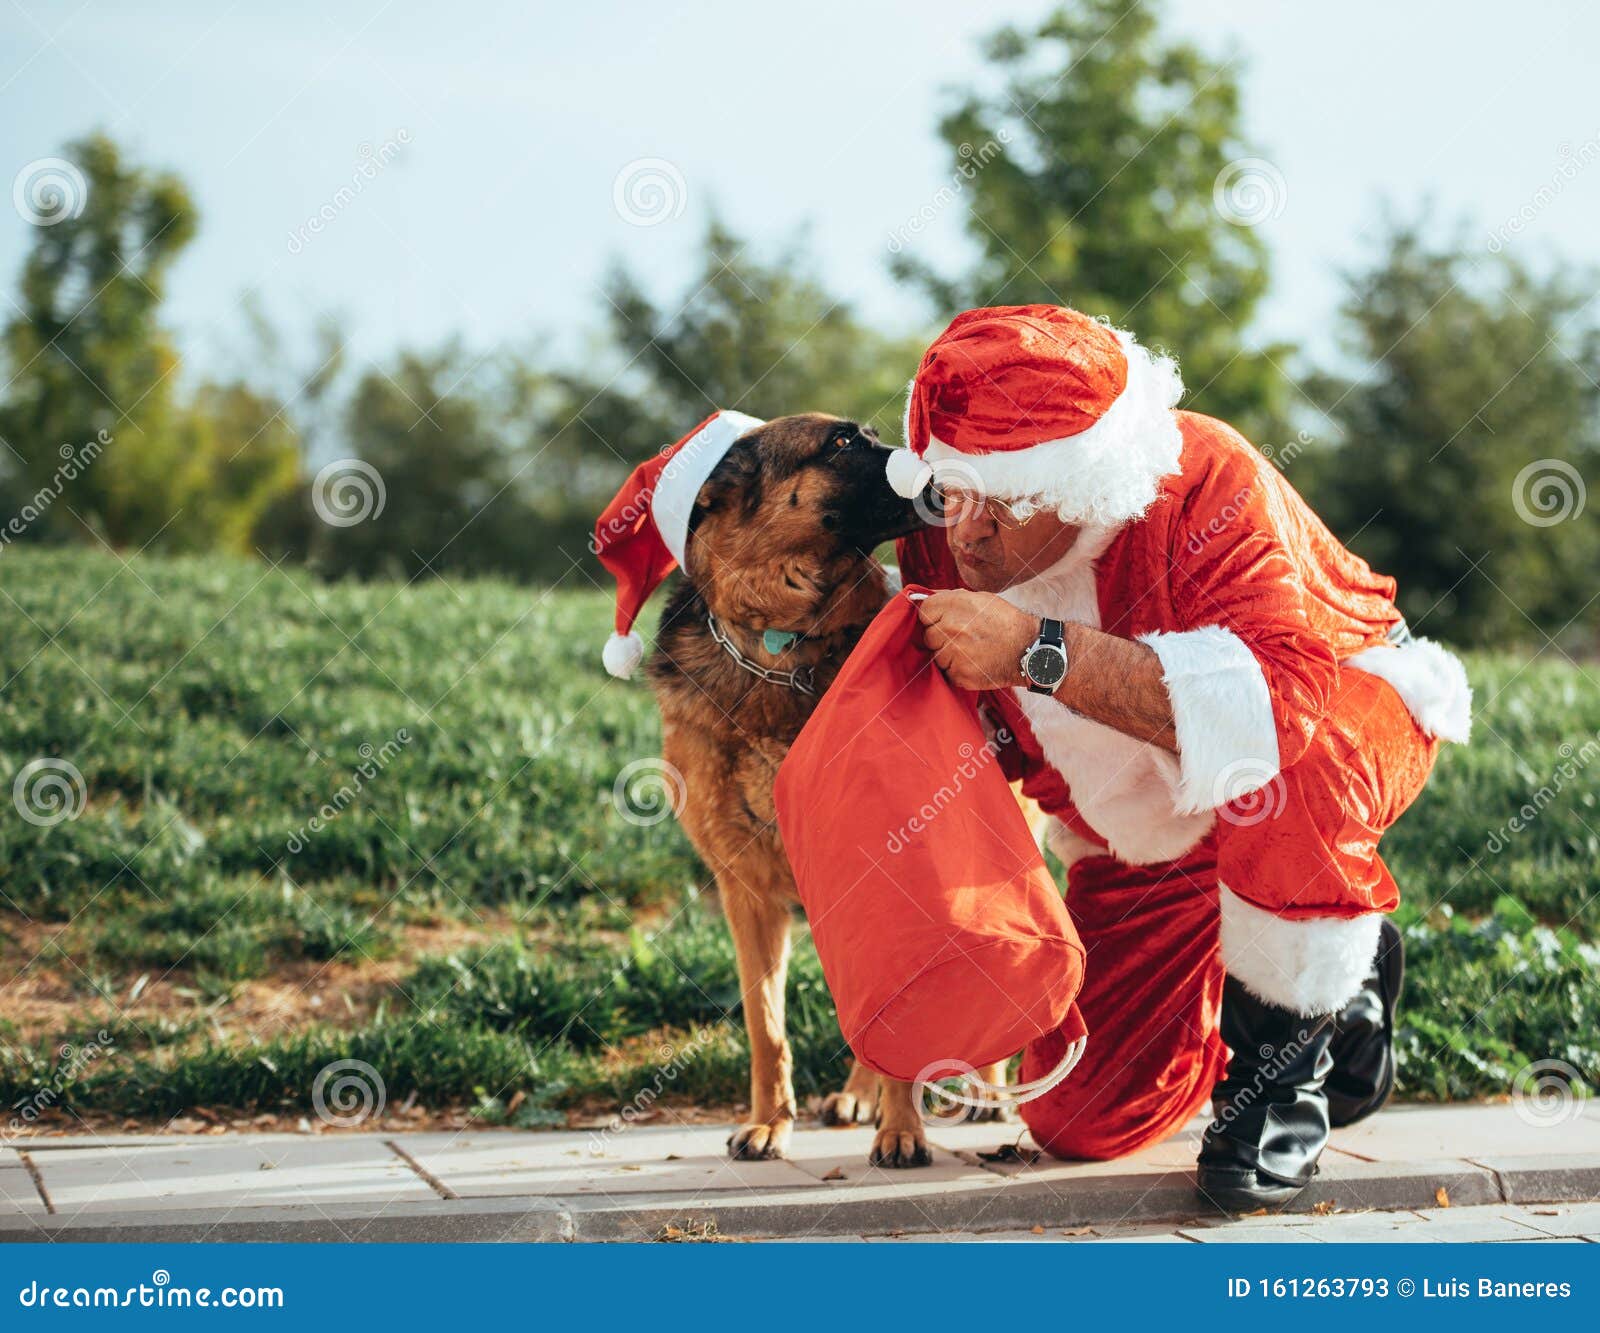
[640, 537]
[1042, 404]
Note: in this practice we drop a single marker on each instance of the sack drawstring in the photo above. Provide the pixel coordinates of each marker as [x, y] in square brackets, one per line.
[988, 1094]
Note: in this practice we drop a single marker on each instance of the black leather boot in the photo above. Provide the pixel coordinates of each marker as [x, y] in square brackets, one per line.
[1363, 1042]
[1271, 1115]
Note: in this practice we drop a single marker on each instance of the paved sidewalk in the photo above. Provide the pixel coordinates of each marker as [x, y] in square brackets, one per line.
[1410, 1174]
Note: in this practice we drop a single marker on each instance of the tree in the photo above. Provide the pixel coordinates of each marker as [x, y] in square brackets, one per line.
[89, 361]
[763, 337]
[1109, 174]
[1466, 456]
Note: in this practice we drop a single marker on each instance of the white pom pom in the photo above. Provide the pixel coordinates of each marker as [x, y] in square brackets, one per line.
[622, 654]
[908, 474]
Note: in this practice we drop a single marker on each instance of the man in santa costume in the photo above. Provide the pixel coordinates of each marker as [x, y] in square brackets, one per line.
[1220, 707]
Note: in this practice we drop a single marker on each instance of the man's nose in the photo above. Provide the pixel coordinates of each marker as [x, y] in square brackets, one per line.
[971, 528]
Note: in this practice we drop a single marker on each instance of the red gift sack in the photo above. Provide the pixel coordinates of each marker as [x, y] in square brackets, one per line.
[944, 940]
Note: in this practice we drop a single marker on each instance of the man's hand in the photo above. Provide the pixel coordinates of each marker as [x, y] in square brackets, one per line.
[977, 638]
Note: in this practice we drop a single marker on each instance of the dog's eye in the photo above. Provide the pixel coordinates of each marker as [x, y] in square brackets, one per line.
[844, 439]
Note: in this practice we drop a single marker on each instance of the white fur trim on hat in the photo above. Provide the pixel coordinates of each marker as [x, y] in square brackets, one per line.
[1313, 966]
[908, 475]
[1108, 474]
[1430, 681]
[685, 473]
[622, 654]
[1222, 711]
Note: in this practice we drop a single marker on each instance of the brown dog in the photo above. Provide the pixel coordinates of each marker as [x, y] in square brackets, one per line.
[781, 540]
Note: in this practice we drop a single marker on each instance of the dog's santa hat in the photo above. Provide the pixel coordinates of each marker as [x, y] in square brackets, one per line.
[640, 538]
[1042, 404]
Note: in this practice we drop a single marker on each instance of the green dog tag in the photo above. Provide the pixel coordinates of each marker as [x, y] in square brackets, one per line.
[776, 641]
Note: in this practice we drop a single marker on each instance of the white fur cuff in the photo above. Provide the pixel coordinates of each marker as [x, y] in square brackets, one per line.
[1313, 966]
[1227, 738]
[1430, 681]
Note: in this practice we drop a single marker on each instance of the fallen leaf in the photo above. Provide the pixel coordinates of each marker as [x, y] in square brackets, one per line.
[672, 1157]
[1441, 1196]
[1037, 1231]
[517, 1098]
[1547, 1212]
[1078, 1231]
[1258, 1212]
[1325, 1207]
[836, 1174]
[1011, 1152]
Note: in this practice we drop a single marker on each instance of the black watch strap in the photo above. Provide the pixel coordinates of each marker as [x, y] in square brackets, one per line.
[1052, 631]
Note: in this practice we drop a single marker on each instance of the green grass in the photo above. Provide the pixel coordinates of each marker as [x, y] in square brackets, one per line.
[481, 919]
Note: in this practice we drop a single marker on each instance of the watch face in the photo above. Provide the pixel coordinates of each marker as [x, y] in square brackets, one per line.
[1047, 664]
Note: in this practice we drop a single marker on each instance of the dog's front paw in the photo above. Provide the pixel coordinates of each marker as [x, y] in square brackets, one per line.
[845, 1108]
[898, 1147]
[759, 1143]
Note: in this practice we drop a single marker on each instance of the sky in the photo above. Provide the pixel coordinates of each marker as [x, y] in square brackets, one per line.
[473, 167]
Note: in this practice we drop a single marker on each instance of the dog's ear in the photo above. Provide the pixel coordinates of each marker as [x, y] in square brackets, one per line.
[736, 480]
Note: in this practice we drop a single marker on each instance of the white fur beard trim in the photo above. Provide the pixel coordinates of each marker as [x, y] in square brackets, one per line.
[1222, 709]
[1314, 966]
[1106, 475]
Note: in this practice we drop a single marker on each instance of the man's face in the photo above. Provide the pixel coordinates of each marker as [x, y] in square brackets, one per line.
[992, 549]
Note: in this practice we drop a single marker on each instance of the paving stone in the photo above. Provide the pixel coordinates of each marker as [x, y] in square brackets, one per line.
[824, 1152]
[1173, 1154]
[226, 1174]
[17, 1191]
[1406, 1133]
[1351, 1185]
[1559, 1177]
[485, 1220]
[1578, 1219]
[637, 1161]
[1264, 1235]
[1453, 1225]
[1398, 1228]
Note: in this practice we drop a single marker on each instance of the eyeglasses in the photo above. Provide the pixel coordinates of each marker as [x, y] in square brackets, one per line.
[958, 506]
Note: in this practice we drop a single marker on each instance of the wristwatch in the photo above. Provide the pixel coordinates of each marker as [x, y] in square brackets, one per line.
[1044, 661]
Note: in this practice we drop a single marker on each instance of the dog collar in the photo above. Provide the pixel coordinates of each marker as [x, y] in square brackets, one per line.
[798, 680]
